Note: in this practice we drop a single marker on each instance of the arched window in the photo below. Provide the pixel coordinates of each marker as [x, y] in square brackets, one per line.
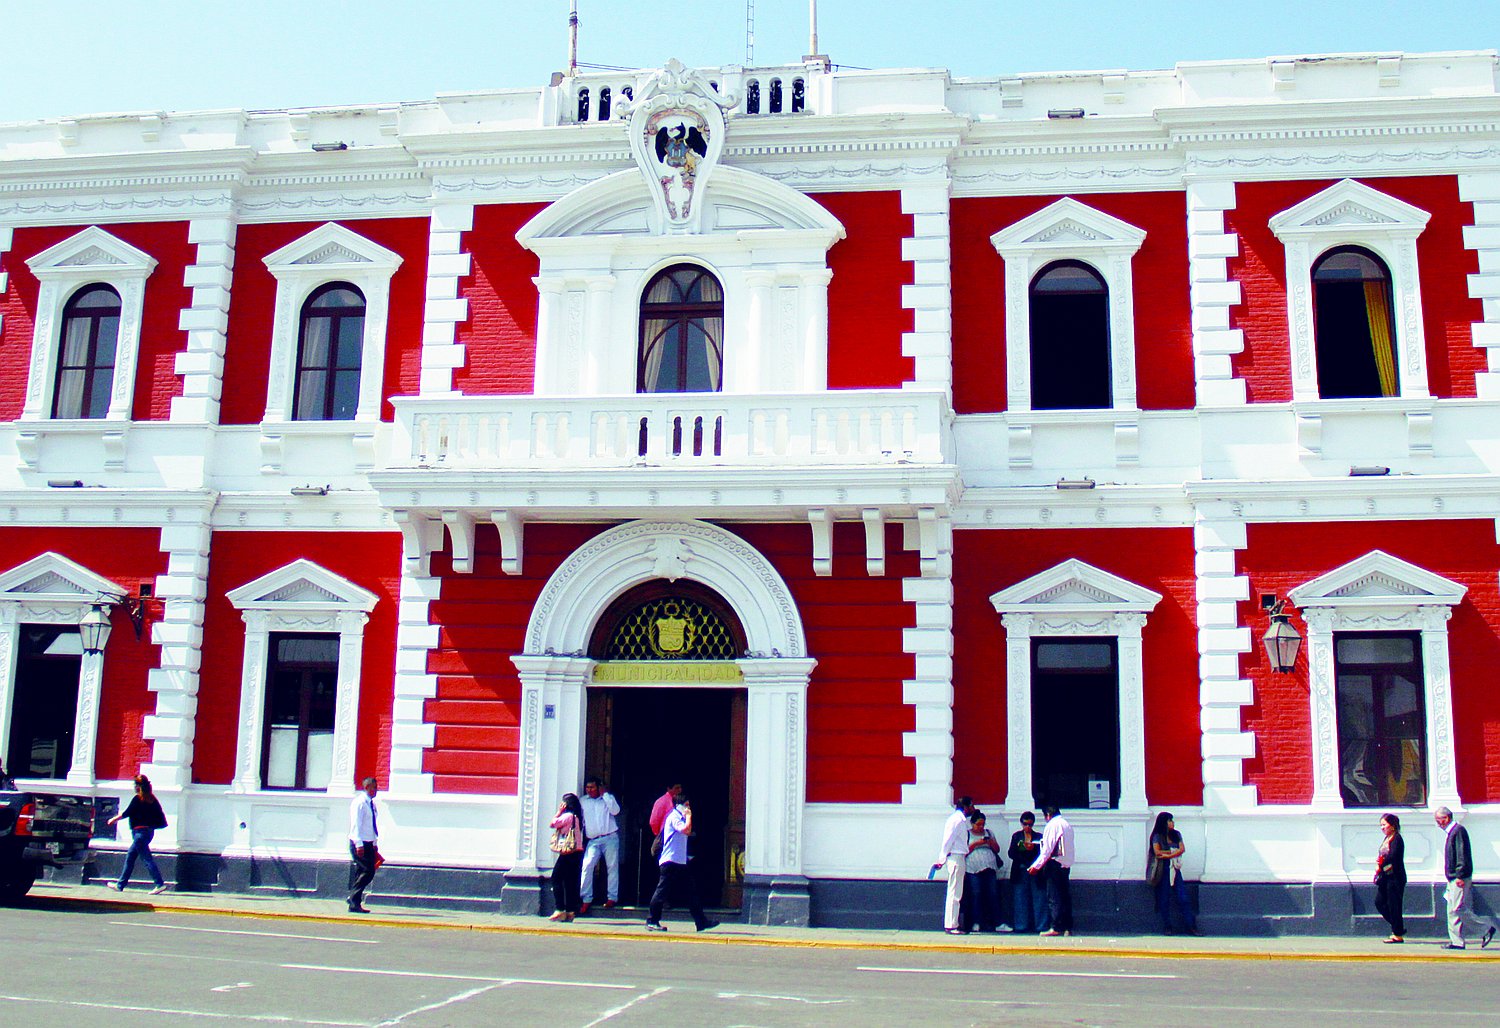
[583, 104]
[1354, 336]
[1070, 359]
[752, 97]
[775, 100]
[86, 360]
[799, 95]
[329, 348]
[604, 104]
[682, 332]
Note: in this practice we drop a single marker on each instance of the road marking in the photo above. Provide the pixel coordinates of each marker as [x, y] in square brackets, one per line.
[455, 977]
[233, 931]
[626, 1006]
[784, 999]
[231, 988]
[1013, 974]
[273, 1018]
[439, 1004]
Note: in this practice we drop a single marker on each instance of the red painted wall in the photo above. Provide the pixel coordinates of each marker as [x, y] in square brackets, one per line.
[854, 627]
[1282, 556]
[127, 557]
[1163, 329]
[370, 560]
[1443, 264]
[865, 316]
[988, 560]
[247, 351]
[500, 336]
[156, 381]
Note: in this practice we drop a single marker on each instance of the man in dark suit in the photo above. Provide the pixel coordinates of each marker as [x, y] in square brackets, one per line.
[1458, 867]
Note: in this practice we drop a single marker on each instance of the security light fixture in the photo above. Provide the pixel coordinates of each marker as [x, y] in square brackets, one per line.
[1075, 483]
[1368, 471]
[94, 627]
[309, 490]
[1281, 640]
[329, 147]
[1065, 113]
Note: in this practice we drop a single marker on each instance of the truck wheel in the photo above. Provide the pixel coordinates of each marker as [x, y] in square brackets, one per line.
[15, 885]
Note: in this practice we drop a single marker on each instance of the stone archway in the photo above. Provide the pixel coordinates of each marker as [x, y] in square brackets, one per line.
[555, 673]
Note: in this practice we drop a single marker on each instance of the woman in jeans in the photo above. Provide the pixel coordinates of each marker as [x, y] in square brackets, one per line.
[145, 816]
[981, 871]
[1166, 874]
[1029, 911]
[567, 872]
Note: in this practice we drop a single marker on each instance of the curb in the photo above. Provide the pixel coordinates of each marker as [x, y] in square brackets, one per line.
[615, 935]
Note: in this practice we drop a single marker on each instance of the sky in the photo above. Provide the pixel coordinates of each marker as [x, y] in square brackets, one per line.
[63, 58]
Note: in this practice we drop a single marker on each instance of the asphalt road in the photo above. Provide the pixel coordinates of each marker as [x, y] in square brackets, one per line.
[119, 969]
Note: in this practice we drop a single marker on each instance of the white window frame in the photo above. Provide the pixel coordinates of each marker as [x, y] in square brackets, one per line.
[300, 597]
[1350, 213]
[50, 589]
[90, 257]
[1075, 599]
[329, 253]
[1380, 593]
[1069, 230]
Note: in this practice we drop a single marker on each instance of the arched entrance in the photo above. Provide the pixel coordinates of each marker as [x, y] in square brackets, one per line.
[667, 705]
[557, 673]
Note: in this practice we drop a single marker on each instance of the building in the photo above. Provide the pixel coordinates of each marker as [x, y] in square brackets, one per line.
[833, 441]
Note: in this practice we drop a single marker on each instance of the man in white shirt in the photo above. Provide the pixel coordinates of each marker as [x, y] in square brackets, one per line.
[603, 833]
[952, 856]
[1055, 863]
[364, 833]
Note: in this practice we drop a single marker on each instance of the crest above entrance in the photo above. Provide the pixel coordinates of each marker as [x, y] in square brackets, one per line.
[676, 128]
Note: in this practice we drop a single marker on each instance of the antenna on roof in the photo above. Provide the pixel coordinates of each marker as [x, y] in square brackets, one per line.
[749, 33]
[573, 38]
[812, 55]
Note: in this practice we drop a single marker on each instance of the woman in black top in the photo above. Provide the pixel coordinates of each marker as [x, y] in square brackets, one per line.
[146, 816]
[1029, 911]
[1390, 877]
[1166, 875]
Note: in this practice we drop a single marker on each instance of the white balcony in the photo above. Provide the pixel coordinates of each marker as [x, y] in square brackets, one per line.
[862, 428]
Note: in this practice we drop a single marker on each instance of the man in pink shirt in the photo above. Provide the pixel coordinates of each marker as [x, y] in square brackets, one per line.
[663, 807]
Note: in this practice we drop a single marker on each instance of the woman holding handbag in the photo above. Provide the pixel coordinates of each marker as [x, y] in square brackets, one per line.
[1390, 877]
[568, 844]
[146, 817]
[1165, 875]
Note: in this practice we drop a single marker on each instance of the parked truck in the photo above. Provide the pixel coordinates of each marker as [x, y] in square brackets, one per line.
[39, 830]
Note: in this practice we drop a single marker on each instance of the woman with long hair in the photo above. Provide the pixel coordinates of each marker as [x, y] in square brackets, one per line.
[1166, 875]
[568, 843]
[146, 816]
[1390, 877]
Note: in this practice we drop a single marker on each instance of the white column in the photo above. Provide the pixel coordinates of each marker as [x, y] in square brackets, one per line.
[172, 727]
[552, 739]
[1483, 237]
[551, 326]
[1018, 627]
[1210, 246]
[1442, 758]
[929, 691]
[444, 310]
[351, 627]
[775, 763]
[86, 721]
[252, 701]
[756, 368]
[1132, 710]
[416, 636]
[10, 637]
[1222, 691]
[590, 374]
[930, 296]
[1324, 709]
[815, 330]
[206, 321]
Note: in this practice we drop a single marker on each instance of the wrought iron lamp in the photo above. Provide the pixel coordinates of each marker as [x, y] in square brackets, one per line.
[1281, 640]
[94, 628]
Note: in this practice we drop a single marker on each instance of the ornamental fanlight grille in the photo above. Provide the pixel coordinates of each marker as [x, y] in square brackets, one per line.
[671, 628]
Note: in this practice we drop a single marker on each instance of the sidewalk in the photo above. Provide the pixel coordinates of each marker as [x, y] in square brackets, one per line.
[1307, 948]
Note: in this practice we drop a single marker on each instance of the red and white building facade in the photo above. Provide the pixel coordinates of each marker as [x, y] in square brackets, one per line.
[977, 417]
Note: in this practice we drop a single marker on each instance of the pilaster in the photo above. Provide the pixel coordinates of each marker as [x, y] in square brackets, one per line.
[930, 296]
[929, 691]
[172, 728]
[444, 309]
[1210, 246]
[411, 735]
[1222, 692]
[1483, 237]
[201, 364]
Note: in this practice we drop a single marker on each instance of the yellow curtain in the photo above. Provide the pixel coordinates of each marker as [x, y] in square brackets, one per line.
[1378, 313]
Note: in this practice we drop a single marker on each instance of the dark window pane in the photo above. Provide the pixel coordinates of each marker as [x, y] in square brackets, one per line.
[345, 395]
[1382, 724]
[351, 341]
[99, 386]
[1075, 682]
[301, 700]
[1070, 347]
[682, 324]
[311, 397]
[1354, 331]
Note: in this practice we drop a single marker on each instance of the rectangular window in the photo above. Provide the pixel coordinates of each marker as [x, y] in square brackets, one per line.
[1075, 722]
[301, 689]
[44, 704]
[1382, 719]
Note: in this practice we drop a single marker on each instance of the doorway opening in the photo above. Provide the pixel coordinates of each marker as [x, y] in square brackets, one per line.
[44, 705]
[641, 740]
[1075, 722]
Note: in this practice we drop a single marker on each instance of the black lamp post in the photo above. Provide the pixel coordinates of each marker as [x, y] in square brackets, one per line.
[94, 629]
[1281, 640]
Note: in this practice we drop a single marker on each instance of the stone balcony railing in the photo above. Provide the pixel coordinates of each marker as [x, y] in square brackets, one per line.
[854, 427]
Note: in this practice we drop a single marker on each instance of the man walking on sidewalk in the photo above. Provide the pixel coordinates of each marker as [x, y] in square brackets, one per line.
[1458, 868]
[676, 880]
[952, 859]
[603, 833]
[364, 833]
[1055, 865]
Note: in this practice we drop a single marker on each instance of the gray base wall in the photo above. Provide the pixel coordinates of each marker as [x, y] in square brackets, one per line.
[1224, 908]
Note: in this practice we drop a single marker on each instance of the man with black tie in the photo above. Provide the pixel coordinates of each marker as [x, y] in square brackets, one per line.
[364, 833]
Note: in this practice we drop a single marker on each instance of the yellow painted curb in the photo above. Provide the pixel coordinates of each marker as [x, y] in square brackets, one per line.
[730, 939]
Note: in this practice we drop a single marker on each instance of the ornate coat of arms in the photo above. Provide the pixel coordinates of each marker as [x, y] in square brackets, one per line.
[676, 128]
[671, 636]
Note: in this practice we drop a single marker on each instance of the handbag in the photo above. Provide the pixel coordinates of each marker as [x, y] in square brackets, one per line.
[656, 845]
[565, 840]
[1154, 875]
